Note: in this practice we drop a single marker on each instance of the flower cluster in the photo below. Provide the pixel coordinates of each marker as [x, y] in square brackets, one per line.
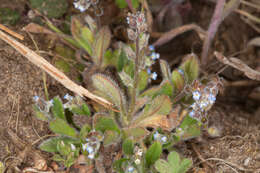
[92, 145]
[204, 97]
[72, 101]
[138, 153]
[83, 5]
[131, 169]
[150, 61]
[159, 137]
[137, 24]
[42, 105]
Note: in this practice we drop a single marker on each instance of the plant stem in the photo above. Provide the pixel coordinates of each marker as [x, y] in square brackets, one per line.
[136, 77]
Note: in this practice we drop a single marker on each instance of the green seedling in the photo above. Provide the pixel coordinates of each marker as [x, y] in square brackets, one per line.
[174, 164]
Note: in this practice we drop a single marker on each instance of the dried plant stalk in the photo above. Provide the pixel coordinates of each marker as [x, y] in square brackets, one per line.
[51, 70]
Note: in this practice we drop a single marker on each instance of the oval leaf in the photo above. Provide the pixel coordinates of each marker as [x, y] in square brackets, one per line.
[61, 127]
[101, 44]
[162, 166]
[153, 153]
[57, 108]
[109, 88]
[165, 68]
[190, 66]
[178, 81]
[50, 145]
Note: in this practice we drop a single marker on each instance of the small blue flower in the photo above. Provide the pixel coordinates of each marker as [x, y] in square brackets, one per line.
[137, 161]
[130, 169]
[156, 135]
[211, 98]
[151, 48]
[128, 20]
[51, 101]
[196, 95]
[84, 147]
[82, 5]
[90, 149]
[192, 114]
[68, 97]
[154, 76]
[155, 56]
[149, 71]
[181, 71]
[163, 139]
[73, 148]
[203, 104]
[36, 98]
[91, 156]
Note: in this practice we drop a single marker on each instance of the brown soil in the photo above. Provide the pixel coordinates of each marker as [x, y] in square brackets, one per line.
[236, 115]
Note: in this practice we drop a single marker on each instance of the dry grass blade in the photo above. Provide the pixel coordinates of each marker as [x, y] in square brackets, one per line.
[51, 70]
[4, 28]
[35, 28]
[168, 36]
[239, 65]
[254, 42]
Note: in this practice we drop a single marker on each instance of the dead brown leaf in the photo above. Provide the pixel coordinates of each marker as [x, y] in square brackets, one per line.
[166, 122]
[239, 65]
[168, 36]
[35, 28]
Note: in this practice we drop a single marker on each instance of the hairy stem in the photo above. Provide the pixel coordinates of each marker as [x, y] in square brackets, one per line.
[136, 77]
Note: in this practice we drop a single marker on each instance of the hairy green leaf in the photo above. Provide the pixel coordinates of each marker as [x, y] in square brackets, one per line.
[77, 33]
[143, 80]
[101, 44]
[81, 110]
[128, 147]
[178, 81]
[126, 79]
[161, 105]
[174, 160]
[103, 123]
[110, 137]
[190, 66]
[61, 127]
[165, 68]
[57, 108]
[162, 166]
[84, 131]
[137, 133]
[153, 153]
[119, 164]
[50, 145]
[110, 89]
[185, 165]
[166, 88]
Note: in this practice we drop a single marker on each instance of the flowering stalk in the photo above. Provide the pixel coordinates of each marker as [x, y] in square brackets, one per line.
[136, 76]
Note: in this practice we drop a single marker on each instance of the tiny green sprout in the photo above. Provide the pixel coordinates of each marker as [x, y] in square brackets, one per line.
[174, 164]
[71, 141]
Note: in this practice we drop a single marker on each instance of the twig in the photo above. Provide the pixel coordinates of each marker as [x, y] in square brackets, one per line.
[213, 27]
[4, 28]
[207, 164]
[51, 70]
[168, 36]
[250, 4]
[228, 166]
[18, 113]
[248, 15]
[35, 170]
[231, 164]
